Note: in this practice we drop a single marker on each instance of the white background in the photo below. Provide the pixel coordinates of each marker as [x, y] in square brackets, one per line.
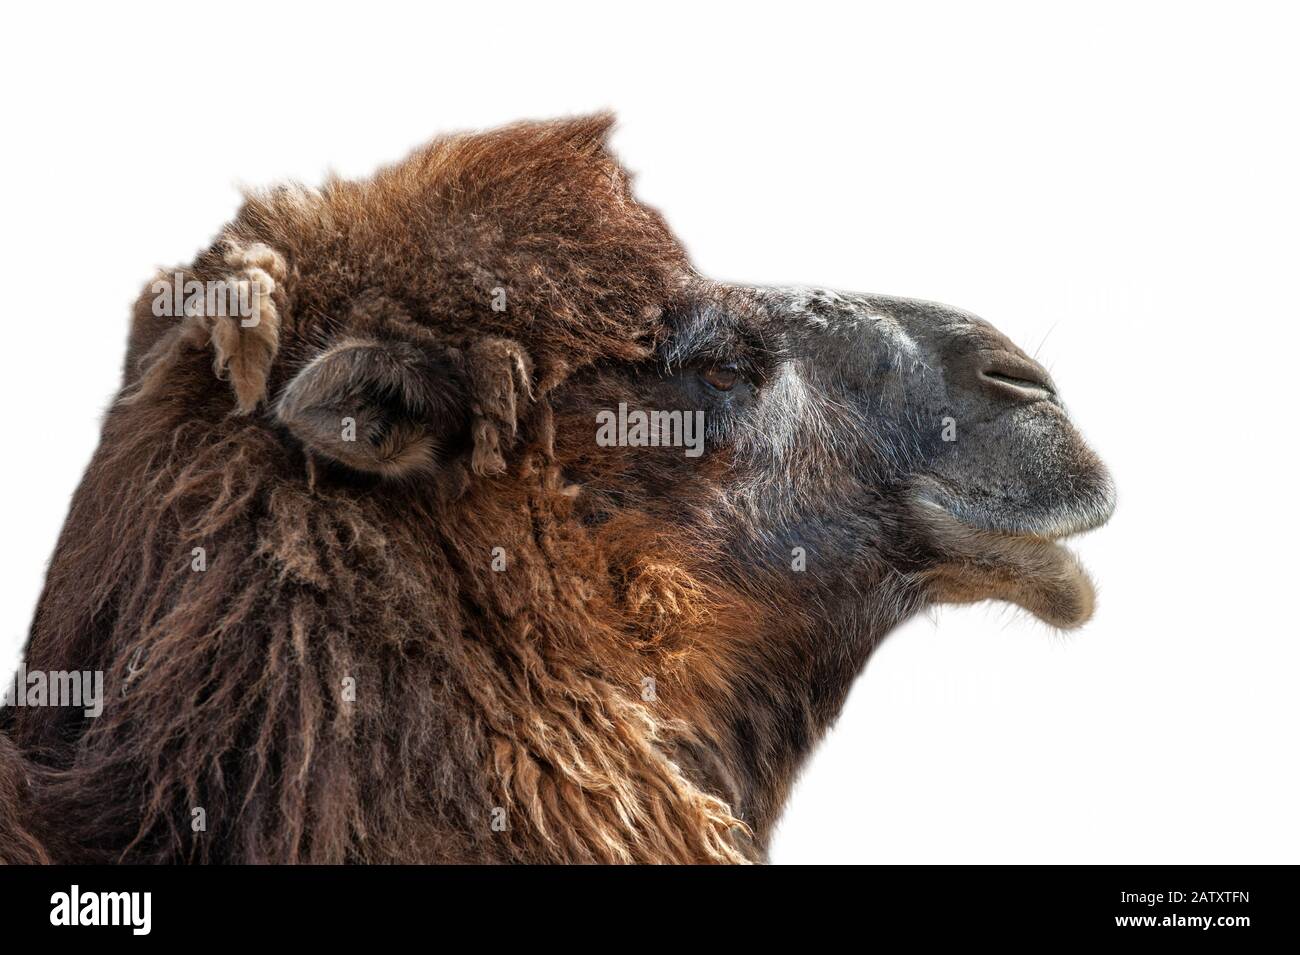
[1115, 187]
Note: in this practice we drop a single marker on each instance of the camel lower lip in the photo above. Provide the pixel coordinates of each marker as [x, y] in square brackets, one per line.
[1030, 569]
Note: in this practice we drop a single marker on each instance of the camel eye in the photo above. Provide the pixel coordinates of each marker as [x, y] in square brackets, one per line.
[720, 377]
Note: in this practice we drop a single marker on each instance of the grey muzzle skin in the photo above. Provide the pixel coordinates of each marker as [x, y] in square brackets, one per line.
[922, 413]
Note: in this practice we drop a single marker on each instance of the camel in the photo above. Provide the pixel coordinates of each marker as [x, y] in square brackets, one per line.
[476, 526]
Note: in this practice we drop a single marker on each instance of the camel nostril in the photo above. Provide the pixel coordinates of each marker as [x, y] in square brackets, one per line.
[1025, 380]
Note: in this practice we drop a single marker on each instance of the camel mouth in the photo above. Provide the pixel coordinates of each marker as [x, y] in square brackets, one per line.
[1089, 509]
[1024, 563]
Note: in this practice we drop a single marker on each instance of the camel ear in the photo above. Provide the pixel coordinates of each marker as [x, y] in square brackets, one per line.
[381, 407]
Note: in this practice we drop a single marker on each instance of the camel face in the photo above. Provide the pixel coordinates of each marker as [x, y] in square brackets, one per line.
[849, 434]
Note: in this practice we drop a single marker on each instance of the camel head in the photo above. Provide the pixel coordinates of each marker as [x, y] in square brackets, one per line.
[754, 484]
[461, 493]
[847, 441]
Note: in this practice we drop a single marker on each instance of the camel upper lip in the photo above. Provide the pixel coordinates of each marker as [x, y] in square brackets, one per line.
[1087, 515]
[1022, 385]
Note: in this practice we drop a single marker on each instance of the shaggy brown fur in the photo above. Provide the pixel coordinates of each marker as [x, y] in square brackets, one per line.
[463, 633]
[471, 694]
[19, 845]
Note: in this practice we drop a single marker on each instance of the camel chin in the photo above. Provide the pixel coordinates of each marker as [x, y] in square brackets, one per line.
[1033, 571]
